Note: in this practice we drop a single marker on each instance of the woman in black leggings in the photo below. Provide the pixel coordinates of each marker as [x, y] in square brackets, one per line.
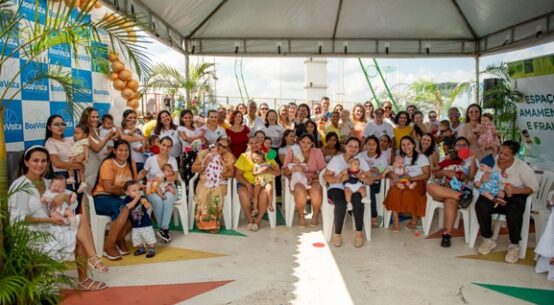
[336, 174]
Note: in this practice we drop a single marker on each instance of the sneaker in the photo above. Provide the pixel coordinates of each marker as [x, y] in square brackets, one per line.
[349, 207]
[151, 253]
[358, 242]
[163, 235]
[337, 240]
[445, 242]
[167, 234]
[139, 251]
[513, 254]
[486, 246]
[82, 187]
[465, 199]
[366, 200]
[254, 227]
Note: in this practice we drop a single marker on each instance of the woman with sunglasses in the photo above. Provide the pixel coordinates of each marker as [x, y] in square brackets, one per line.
[216, 167]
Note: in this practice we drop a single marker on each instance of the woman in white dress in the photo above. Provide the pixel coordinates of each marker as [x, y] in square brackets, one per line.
[67, 243]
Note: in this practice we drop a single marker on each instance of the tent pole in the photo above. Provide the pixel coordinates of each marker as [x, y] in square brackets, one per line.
[477, 79]
[188, 98]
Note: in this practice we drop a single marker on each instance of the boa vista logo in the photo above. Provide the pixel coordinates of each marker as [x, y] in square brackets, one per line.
[34, 82]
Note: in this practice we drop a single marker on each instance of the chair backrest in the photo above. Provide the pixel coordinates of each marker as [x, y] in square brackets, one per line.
[321, 180]
[546, 184]
[92, 208]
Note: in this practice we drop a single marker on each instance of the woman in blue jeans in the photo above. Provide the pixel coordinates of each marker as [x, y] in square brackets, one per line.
[163, 206]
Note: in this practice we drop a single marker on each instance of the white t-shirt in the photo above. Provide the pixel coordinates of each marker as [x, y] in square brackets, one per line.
[60, 148]
[372, 129]
[457, 129]
[520, 174]
[212, 136]
[255, 125]
[275, 132]
[172, 133]
[153, 168]
[380, 162]
[135, 155]
[338, 165]
[416, 169]
[189, 133]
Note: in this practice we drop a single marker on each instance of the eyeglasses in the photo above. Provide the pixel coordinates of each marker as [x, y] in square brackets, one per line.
[62, 124]
[387, 107]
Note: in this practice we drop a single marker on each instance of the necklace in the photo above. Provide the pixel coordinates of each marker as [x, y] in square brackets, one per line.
[120, 165]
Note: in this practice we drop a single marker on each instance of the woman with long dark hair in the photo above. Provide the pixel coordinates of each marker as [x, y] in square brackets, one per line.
[166, 128]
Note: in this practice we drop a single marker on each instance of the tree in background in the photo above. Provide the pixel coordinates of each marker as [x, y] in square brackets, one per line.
[428, 95]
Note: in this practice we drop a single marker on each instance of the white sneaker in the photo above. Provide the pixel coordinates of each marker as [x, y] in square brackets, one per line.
[486, 246]
[513, 254]
[82, 187]
[349, 207]
[366, 200]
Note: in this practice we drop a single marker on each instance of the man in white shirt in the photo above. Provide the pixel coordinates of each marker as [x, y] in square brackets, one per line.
[251, 120]
[378, 126]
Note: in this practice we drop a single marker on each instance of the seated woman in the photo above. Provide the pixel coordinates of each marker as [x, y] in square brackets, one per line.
[440, 190]
[66, 242]
[115, 170]
[244, 168]
[163, 206]
[407, 199]
[521, 182]
[336, 174]
[215, 168]
[315, 163]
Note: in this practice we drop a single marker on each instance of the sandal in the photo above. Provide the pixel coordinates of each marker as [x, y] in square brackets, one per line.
[95, 263]
[93, 285]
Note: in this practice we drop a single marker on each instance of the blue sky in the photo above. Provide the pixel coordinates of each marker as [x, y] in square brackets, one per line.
[281, 77]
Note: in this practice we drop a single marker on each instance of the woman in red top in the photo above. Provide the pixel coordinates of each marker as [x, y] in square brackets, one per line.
[238, 133]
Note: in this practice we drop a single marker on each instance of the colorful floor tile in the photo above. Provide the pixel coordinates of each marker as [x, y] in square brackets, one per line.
[535, 296]
[141, 295]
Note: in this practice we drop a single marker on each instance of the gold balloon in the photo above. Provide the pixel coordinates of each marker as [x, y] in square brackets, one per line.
[125, 75]
[119, 84]
[127, 93]
[117, 66]
[97, 4]
[133, 103]
[114, 76]
[131, 35]
[113, 57]
[133, 84]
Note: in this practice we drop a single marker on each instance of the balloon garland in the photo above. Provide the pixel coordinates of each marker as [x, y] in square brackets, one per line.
[122, 80]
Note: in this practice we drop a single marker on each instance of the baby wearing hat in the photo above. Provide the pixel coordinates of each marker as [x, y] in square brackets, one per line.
[489, 180]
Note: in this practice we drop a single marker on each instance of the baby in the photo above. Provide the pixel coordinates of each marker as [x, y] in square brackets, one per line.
[446, 136]
[298, 177]
[63, 211]
[488, 181]
[160, 185]
[400, 178]
[346, 126]
[263, 180]
[353, 184]
[106, 128]
[266, 145]
[487, 133]
[79, 154]
[142, 233]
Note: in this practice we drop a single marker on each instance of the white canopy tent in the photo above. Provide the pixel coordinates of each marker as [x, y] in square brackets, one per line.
[395, 28]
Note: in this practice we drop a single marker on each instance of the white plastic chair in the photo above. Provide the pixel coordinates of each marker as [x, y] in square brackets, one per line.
[227, 205]
[98, 224]
[498, 218]
[433, 205]
[289, 204]
[236, 207]
[328, 212]
[542, 195]
[180, 205]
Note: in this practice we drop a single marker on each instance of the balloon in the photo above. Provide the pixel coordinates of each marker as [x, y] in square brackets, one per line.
[271, 155]
[97, 4]
[131, 35]
[134, 103]
[119, 84]
[117, 66]
[463, 153]
[113, 56]
[127, 93]
[125, 75]
[114, 76]
[133, 84]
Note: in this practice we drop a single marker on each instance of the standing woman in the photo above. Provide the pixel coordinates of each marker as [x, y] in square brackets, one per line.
[262, 111]
[470, 129]
[273, 130]
[419, 128]
[284, 120]
[166, 128]
[242, 108]
[187, 134]
[97, 146]
[359, 120]
[427, 144]
[212, 131]
[377, 162]
[336, 174]
[302, 116]
[239, 133]
[402, 129]
[389, 114]
[58, 148]
[315, 162]
[408, 200]
[292, 112]
[65, 243]
[368, 106]
[115, 170]
[311, 128]
[163, 206]
[133, 135]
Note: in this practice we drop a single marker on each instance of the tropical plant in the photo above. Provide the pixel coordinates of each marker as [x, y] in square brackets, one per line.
[503, 99]
[29, 276]
[441, 96]
[197, 87]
